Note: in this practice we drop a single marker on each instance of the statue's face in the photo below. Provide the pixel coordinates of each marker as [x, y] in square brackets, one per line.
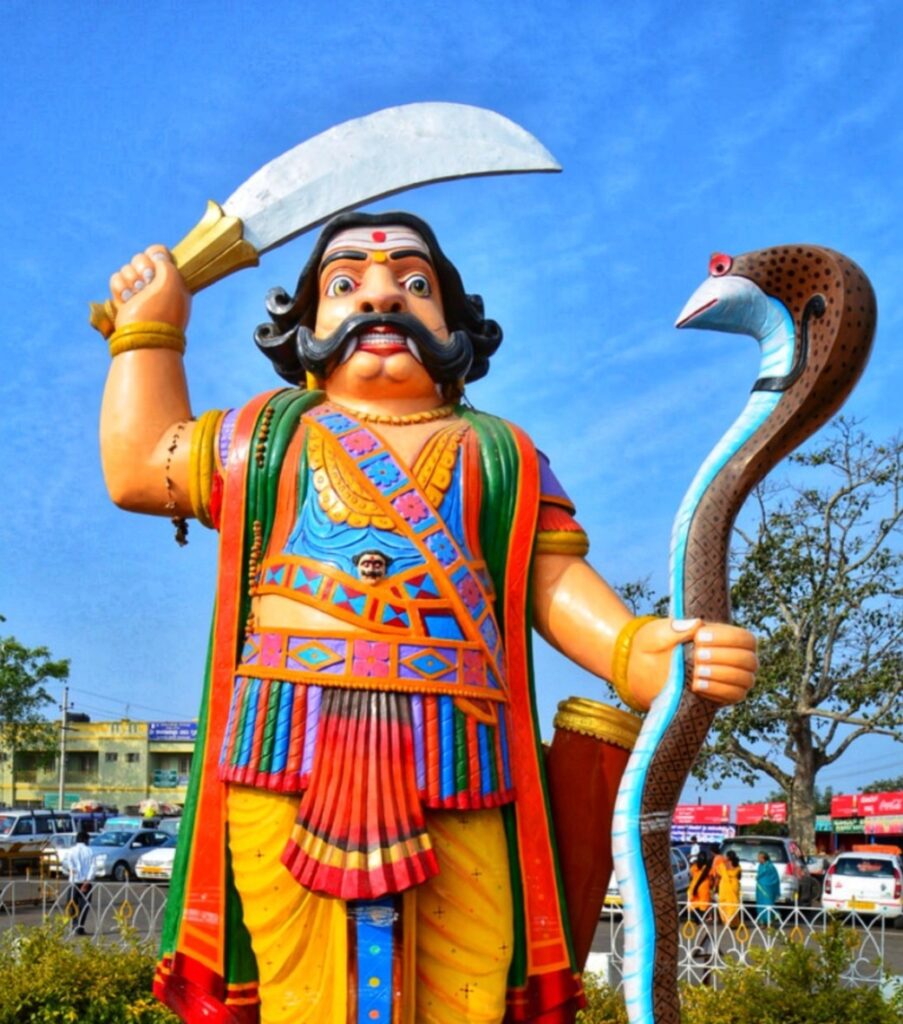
[381, 271]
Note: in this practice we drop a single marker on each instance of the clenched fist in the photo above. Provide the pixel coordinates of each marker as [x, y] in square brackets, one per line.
[150, 288]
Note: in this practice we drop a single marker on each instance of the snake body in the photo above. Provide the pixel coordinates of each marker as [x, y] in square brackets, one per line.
[820, 315]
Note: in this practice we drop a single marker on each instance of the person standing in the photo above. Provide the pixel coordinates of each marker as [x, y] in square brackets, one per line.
[729, 873]
[700, 892]
[80, 864]
[768, 888]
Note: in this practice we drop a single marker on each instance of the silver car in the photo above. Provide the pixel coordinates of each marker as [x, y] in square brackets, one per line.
[797, 885]
[116, 852]
[680, 868]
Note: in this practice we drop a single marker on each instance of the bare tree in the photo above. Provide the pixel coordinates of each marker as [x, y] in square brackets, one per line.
[818, 578]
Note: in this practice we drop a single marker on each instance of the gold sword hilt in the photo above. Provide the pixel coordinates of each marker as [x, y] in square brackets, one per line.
[214, 248]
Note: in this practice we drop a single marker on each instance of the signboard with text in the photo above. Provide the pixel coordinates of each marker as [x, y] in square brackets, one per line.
[861, 805]
[701, 814]
[701, 833]
[752, 814]
[179, 732]
[886, 825]
[844, 825]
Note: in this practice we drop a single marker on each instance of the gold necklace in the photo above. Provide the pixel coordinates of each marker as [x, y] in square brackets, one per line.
[402, 420]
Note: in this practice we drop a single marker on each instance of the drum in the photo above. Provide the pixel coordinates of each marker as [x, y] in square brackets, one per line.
[584, 765]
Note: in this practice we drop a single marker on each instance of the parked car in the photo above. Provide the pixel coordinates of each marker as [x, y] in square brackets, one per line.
[797, 885]
[156, 864]
[866, 881]
[817, 864]
[116, 851]
[680, 868]
[53, 854]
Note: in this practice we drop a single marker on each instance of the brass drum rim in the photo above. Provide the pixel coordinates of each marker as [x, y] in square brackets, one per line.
[600, 721]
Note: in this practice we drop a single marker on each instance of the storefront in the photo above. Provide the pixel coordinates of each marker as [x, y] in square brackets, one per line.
[867, 818]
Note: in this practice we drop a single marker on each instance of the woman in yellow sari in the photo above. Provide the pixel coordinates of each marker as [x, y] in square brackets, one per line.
[729, 900]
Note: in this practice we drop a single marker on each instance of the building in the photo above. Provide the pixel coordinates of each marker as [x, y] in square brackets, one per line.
[119, 763]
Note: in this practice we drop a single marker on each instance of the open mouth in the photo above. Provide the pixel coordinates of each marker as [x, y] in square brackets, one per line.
[381, 340]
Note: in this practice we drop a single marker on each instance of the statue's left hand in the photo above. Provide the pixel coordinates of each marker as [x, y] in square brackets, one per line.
[724, 661]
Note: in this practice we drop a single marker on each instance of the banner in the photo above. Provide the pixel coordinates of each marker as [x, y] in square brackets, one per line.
[709, 834]
[752, 814]
[861, 805]
[180, 732]
[843, 825]
[823, 823]
[887, 825]
[701, 814]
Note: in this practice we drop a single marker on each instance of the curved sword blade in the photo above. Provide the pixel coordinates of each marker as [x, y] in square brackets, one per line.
[371, 157]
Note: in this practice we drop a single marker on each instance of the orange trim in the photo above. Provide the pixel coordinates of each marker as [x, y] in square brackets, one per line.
[287, 495]
[546, 942]
[205, 888]
[472, 492]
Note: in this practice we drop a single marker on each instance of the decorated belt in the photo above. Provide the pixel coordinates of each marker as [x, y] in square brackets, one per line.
[371, 661]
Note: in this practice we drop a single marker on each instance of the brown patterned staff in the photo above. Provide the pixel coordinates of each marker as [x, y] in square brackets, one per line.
[813, 312]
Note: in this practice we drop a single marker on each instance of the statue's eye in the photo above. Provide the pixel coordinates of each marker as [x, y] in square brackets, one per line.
[720, 264]
[341, 284]
[419, 285]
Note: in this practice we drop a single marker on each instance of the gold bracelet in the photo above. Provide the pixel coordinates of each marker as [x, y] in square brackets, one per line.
[621, 658]
[201, 464]
[146, 334]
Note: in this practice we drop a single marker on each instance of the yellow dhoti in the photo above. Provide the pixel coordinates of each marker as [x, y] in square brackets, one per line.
[457, 928]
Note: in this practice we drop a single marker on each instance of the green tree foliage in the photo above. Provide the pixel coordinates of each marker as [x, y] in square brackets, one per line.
[818, 578]
[891, 785]
[23, 698]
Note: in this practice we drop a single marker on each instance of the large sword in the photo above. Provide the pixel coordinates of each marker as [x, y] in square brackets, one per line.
[355, 162]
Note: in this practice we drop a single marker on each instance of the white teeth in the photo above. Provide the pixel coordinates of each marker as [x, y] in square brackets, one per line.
[412, 348]
[349, 350]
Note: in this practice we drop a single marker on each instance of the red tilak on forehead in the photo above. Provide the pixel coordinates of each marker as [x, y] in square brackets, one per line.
[378, 236]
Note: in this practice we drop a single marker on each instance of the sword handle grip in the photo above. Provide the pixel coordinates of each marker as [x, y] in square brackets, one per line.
[214, 248]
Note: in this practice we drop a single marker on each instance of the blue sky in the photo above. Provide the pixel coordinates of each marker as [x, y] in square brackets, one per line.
[682, 129]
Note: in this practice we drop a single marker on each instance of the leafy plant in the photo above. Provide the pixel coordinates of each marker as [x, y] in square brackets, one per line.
[45, 979]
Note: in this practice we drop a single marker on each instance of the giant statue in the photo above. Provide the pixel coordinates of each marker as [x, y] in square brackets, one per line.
[369, 833]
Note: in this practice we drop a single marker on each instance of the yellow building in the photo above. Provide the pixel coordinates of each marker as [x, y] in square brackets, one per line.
[119, 763]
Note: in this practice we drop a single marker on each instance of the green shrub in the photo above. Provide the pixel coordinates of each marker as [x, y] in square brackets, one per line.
[789, 984]
[47, 979]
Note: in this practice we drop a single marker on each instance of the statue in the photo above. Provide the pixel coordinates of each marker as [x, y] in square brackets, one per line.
[367, 835]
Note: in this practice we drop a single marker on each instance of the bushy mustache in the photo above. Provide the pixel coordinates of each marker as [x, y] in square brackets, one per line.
[446, 361]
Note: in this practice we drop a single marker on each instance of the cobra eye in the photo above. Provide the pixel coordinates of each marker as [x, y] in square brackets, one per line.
[720, 264]
[419, 285]
[341, 284]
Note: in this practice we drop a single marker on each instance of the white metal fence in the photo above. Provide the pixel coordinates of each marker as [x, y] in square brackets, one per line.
[706, 946]
[112, 905]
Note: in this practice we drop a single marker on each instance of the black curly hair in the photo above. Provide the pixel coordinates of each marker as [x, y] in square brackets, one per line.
[286, 339]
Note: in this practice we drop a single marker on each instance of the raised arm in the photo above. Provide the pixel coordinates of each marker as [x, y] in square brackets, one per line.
[580, 615]
[145, 420]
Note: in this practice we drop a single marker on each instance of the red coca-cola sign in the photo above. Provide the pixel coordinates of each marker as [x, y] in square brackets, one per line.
[752, 814]
[861, 805]
[702, 814]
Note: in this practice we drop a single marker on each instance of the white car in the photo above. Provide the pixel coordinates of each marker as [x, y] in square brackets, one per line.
[867, 882]
[680, 868]
[156, 865]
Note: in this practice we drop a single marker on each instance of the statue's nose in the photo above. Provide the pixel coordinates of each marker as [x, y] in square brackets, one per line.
[380, 292]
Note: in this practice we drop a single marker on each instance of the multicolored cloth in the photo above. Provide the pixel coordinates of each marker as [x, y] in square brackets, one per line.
[207, 970]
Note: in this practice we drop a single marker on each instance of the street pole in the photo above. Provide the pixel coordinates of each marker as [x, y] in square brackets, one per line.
[63, 726]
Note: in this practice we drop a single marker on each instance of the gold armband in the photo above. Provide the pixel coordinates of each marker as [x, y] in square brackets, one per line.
[202, 464]
[146, 335]
[621, 658]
